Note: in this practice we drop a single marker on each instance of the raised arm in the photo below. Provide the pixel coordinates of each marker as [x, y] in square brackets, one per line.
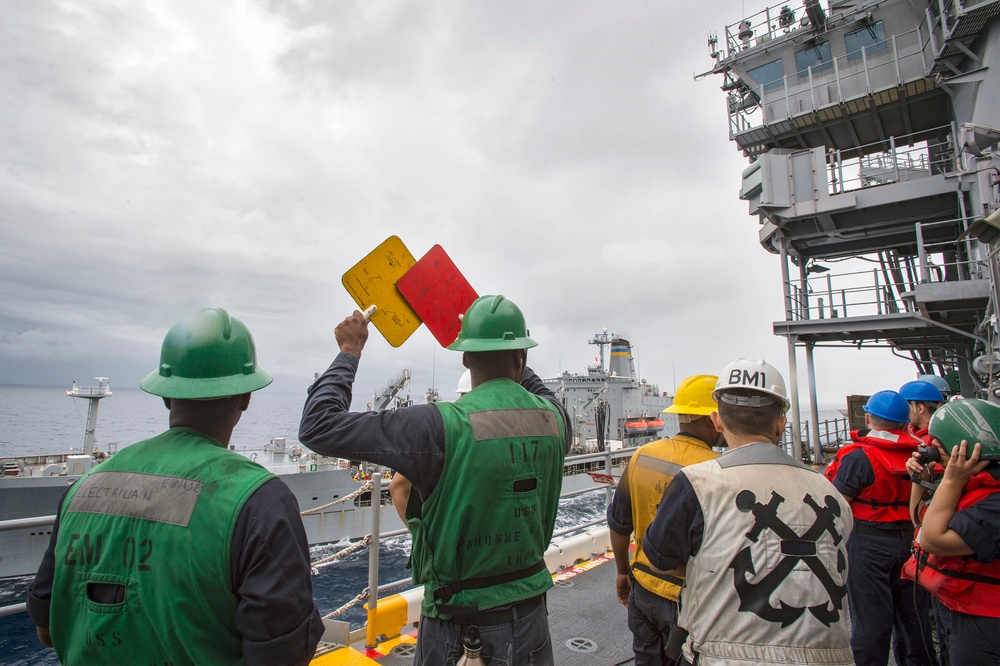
[936, 536]
[409, 440]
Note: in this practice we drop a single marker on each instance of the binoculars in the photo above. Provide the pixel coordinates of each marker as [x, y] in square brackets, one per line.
[928, 454]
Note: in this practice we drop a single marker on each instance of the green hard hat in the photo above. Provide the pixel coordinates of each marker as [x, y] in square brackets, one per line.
[492, 323]
[209, 355]
[973, 420]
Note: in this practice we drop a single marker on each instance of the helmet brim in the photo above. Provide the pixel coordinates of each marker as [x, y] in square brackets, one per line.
[782, 400]
[185, 388]
[466, 345]
[690, 411]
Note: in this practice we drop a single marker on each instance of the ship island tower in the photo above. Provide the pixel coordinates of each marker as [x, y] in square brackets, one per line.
[872, 131]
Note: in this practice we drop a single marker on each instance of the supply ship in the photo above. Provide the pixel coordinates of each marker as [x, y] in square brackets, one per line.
[609, 406]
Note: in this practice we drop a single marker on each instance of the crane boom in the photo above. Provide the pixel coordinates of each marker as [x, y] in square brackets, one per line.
[384, 396]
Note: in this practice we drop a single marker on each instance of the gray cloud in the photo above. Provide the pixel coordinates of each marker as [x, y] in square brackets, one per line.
[157, 158]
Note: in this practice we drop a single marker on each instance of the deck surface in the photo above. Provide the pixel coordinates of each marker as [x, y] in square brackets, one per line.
[587, 624]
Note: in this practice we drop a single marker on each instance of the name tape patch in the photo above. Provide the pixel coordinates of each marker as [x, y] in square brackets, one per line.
[514, 424]
[162, 499]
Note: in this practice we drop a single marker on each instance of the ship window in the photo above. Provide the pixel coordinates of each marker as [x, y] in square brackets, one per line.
[818, 57]
[871, 38]
[771, 75]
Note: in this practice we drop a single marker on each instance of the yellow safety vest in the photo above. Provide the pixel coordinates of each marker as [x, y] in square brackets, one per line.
[652, 468]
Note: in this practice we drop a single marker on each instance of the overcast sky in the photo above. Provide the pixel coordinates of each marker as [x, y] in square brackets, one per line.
[156, 157]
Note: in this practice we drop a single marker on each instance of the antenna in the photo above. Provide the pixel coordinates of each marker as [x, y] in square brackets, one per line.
[745, 34]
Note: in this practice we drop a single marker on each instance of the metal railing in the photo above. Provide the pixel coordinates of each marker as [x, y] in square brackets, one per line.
[849, 294]
[887, 289]
[82, 391]
[20, 524]
[26, 523]
[765, 25]
[896, 159]
[13, 609]
[609, 459]
[892, 160]
[831, 433]
[879, 66]
[373, 564]
[950, 261]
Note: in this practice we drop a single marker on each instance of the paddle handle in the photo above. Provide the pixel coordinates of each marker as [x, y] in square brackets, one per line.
[369, 311]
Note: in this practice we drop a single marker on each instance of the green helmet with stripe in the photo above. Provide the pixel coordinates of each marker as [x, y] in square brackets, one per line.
[492, 323]
[208, 355]
[973, 420]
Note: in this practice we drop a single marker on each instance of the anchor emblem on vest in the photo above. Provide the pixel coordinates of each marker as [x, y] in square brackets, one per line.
[755, 597]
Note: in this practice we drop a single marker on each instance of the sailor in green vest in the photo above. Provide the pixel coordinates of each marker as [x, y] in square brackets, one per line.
[177, 550]
[487, 472]
[651, 598]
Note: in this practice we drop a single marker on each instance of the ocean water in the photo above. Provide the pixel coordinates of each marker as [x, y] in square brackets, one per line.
[44, 420]
[37, 419]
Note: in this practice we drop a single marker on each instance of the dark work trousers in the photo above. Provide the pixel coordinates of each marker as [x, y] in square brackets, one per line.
[941, 616]
[880, 601]
[523, 640]
[974, 639]
[651, 618]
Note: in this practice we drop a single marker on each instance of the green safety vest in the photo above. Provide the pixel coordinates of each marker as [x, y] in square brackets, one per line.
[493, 511]
[156, 518]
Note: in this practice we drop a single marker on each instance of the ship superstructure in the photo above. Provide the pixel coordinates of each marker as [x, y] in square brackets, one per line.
[872, 133]
[610, 406]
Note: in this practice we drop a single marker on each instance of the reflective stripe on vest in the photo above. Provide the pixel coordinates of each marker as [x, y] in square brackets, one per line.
[651, 469]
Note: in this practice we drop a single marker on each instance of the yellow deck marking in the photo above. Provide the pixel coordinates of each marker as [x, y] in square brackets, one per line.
[582, 566]
[348, 656]
[343, 657]
[386, 648]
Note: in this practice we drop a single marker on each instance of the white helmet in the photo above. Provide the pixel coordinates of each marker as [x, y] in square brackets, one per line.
[464, 383]
[756, 375]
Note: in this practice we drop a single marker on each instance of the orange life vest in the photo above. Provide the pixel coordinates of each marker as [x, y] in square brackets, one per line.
[887, 499]
[920, 433]
[961, 583]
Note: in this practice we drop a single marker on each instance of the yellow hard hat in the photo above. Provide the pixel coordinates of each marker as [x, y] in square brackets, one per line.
[694, 396]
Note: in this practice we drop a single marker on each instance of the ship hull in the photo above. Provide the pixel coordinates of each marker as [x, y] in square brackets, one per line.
[21, 549]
